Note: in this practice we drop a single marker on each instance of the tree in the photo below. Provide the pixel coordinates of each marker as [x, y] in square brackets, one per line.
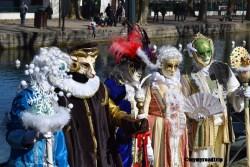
[142, 7]
[202, 10]
[191, 11]
[248, 10]
[230, 8]
[75, 9]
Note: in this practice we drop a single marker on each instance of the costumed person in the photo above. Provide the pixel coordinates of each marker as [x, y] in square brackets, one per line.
[209, 136]
[240, 63]
[126, 87]
[36, 120]
[94, 117]
[166, 119]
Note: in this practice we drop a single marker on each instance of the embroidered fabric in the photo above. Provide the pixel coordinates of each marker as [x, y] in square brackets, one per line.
[173, 100]
[45, 115]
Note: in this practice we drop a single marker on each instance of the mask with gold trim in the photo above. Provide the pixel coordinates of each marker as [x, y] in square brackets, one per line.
[84, 60]
[204, 50]
[169, 58]
[169, 67]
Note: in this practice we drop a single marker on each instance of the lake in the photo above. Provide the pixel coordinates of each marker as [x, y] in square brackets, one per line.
[10, 77]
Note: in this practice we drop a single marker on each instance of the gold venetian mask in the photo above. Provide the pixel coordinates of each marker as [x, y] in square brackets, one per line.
[169, 67]
[84, 61]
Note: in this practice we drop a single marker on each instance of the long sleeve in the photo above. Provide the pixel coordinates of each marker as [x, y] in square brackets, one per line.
[17, 136]
[116, 114]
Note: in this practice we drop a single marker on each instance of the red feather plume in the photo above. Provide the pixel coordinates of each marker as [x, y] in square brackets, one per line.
[126, 47]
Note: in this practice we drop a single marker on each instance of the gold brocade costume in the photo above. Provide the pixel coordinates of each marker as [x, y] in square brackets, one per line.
[90, 133]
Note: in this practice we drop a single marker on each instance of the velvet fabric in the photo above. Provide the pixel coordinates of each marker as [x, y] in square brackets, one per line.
[117, 93]
[87, 148]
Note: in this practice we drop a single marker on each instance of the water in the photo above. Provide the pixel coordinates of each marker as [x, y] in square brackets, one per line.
[10, 77]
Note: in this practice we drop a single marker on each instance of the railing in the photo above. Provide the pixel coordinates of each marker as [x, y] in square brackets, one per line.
[170, 5]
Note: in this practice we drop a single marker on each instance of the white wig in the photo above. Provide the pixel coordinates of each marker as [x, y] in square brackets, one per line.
[169, 52]
[50, 62]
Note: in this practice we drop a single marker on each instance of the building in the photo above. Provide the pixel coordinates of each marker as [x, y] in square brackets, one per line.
[9, 9]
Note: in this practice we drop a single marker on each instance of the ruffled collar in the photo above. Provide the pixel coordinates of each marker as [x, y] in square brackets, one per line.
[77, 89]
[158, 78]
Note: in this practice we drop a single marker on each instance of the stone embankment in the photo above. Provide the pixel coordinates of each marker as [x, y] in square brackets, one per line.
[12, 35]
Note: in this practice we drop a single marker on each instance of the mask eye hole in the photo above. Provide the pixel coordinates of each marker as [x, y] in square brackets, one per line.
[169, 66]
[85, 65]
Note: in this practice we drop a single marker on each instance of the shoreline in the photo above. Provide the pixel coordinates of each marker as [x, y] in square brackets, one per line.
[12, 35]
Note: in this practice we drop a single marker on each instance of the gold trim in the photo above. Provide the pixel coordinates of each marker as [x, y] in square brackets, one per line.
[85, 52]
[105, 100]
[92, 131]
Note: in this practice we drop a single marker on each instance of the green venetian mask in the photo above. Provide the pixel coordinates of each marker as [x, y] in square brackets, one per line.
[204, 47]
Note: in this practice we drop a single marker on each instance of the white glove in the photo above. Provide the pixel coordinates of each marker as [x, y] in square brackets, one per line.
[140, 95]
[218, 119]
[190, 49]
[246, 92]
[243, 92]
[150, 152]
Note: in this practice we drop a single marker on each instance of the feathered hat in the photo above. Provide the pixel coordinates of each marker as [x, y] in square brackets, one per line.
[240, 59]
[131, 47]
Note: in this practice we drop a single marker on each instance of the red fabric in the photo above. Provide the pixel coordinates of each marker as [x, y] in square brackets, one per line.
[126, 47]
[154, 107]
[142, 141]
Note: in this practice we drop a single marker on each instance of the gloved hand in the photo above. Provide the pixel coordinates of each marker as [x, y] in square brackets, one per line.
[243, 92]
[140, 95]
[218, 119]
[134, 126]
[143, 125]
[150, 152]
[30, 138]
[246, 92]
[190, 49]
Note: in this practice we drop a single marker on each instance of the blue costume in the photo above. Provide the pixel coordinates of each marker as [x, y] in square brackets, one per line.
[23, 152]
[117, 93]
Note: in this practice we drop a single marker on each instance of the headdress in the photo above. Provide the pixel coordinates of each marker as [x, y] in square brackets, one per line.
[126, 47]
[240, 59]
[131, 48]
[169, 52]
[44, 115]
